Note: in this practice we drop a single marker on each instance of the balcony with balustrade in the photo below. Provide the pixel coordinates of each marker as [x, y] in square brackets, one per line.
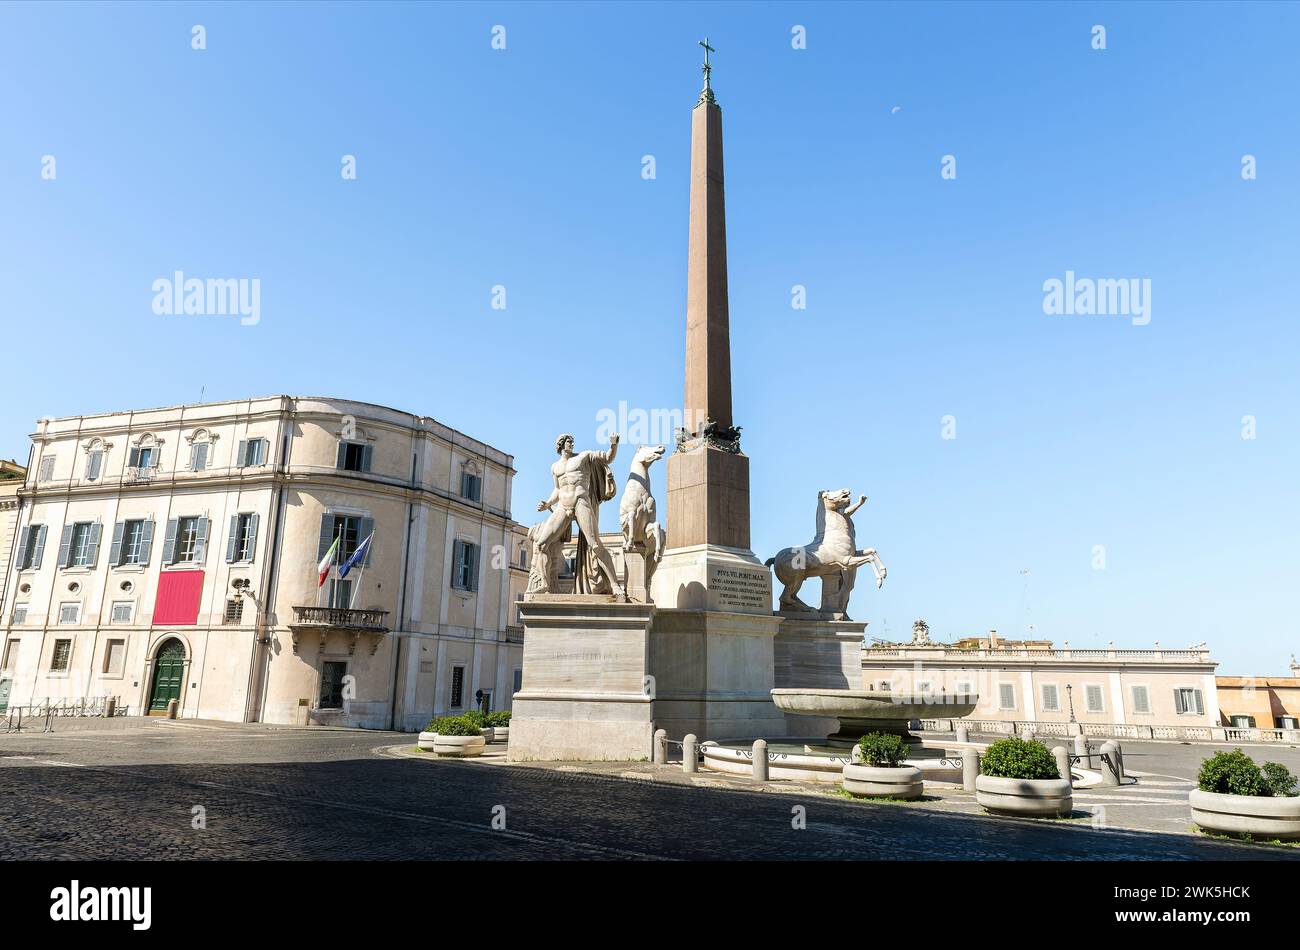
[355, 623]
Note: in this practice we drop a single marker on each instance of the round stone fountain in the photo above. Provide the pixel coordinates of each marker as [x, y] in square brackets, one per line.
[861, 712]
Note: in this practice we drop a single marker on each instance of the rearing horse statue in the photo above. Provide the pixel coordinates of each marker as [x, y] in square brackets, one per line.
[832, 555]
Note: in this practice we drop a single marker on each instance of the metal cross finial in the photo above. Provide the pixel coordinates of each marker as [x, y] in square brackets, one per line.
[706, 95]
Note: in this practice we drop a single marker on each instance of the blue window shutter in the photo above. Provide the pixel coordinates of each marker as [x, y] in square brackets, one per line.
[115, 552]
[366, 453]
[133, 457]
[456, 555]
[169, 544]
[473, 566]
[252, 538]
[39, 554]
[22, 549]
[340, 460]
[233, 539]
[241, 454]
[201, 542]
[65, 547]
[326, 536]
[262, 446]
[92, 550]
[146, 541]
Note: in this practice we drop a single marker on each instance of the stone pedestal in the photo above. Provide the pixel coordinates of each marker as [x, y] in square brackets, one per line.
[713, 674]
[586, 693]
[817, 654]
[637, 573]
[709, 577]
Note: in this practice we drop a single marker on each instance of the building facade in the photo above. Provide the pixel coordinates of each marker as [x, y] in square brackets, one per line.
[172, 554]
[1145, 693]
[12, 476]
[1261, 702]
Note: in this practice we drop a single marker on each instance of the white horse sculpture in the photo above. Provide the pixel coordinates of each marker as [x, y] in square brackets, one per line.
[832, 555]
[636, 511]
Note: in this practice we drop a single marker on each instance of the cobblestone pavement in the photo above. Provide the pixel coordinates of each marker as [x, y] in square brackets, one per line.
[267, 792]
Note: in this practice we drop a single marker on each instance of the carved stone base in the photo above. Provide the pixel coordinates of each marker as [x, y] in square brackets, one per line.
[708, 577]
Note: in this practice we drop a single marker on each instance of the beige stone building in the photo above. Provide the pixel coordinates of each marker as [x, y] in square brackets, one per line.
[1155, 693]
[172, 554]
[12, 476]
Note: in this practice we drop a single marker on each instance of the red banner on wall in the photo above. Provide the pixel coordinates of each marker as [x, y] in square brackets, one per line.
[179, 593]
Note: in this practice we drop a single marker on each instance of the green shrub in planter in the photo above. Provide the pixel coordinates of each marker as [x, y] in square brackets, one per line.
[1232, 773]
[1018, 758]
[453, 726]
[1281, 783]
[499, 720]
[882, 750]
[479, 719]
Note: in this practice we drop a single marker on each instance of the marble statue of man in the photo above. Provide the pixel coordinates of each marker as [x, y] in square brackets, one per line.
[582, 481]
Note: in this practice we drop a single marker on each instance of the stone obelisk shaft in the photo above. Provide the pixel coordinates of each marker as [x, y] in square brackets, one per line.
[708, 333]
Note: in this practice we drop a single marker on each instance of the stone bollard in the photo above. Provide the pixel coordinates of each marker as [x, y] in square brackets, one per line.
[1119, 760]
[1082, 751]
[171, 709]
[760, 759]
[1109, 764]
[1063, 762]
[970, 768]
[963, 734]
[661, 747]
[110, 707]
[690, 754]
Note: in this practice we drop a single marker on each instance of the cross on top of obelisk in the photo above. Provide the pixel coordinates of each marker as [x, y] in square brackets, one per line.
[706, 95]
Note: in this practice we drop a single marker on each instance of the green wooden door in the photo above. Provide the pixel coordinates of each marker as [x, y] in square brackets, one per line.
[168, 675]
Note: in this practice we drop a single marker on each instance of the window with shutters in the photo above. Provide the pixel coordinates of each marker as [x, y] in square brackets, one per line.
[1187, 701]
[1141, 699]
[471, 485]
[70, 612]
[123, 611]
[198, 456]
[191, 540]
[20, 613]
[1283, 722]
[46, 472]
[1051, 698]
[1094, 696]
[132, 541]
[243, 538]
[11, 654]
[61, 656]
[251, 452]
[464, 567]
[114, 657]
[80, 544]
[1006, 695]
[340, 593]
[354, 457]
[143, 457]
[94, 464]
[457, 687]
[234, 611]
[1243, 722]
[350, 530]
[31, 547]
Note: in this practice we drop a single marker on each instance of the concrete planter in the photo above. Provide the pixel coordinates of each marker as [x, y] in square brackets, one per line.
[866, 781]
[1025, 798]
[487, 734]
[452, 746]
[500, 733]
[1246, 814]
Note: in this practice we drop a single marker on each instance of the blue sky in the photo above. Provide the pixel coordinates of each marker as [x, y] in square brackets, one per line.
[522, 168]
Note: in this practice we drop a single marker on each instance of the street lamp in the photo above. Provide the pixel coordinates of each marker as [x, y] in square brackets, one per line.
[1069, 693]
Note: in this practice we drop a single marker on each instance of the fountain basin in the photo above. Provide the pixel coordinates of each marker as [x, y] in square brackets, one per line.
[811, 760]
[861, 712]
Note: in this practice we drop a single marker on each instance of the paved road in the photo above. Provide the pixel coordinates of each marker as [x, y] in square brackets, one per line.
[321, 794]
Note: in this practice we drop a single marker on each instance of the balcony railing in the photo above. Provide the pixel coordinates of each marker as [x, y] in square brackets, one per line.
[342, 617]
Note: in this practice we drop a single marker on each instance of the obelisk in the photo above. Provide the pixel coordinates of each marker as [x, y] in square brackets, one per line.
[709, 563]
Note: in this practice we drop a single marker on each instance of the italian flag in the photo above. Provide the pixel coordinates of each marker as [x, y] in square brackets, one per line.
[323, 568]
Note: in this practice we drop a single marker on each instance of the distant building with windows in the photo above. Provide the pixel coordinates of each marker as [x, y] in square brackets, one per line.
[1034, 686]
[1261, 703]
[176, 554]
